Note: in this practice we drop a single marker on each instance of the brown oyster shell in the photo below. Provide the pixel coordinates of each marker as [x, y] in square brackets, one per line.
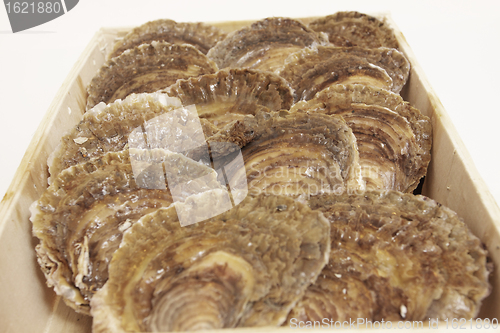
[355, 29]
[80, 218]
[264, 45]
[230, 94]
[169, 126]
[201, 35]
[394, 139]
[311, 70]
[246, 267]
[146, 69]
[396, 256]
[106, 128]
[301, 155]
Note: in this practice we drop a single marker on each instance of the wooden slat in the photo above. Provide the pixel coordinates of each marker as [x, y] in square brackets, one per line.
[27, 305]
[452, 178]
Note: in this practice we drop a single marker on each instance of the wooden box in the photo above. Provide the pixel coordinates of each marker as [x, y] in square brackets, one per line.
[27, 305]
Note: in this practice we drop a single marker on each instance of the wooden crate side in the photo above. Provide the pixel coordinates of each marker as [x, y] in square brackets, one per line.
[22, 284]
[64, 319]
[452, 178]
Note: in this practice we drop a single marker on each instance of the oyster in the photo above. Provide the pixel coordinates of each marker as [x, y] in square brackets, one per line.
[301, 155]
[246, 267]
[265, 44]
[230, 94]
[202, 36]
[81, 217]
[396, 256]
[355, 29]
[168, 125]
[394, 139]
[146, 69]
[312, 69]
[106, 128]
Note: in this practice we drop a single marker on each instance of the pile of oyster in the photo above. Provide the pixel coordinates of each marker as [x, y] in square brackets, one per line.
[252, 179]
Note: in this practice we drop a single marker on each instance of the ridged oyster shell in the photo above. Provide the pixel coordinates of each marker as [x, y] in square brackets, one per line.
[81, 217]
[146, 69]
[264, 45]
[355, 29]
[201, 35]
[106, 128]
[394, 139]
[246, 267]
[312, 69]
[301, 155]
[396, 257]
[231, 94]
[167, 123]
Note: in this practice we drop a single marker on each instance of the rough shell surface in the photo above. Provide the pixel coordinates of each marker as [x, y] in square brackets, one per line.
[107, 127]
[146, 69]
[307, 69]
[231, 94]
[246, 267]
[264, 45]
[394, 139]
[201, 35]
[301, 155]
[81, 217]
[396, 256]
[355, 29]
[167, 125]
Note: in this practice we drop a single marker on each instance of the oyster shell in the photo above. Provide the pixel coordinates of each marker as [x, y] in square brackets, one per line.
[202, 36]
[312, 69]
[394, 139]
[355, 29]
[264, 45]
[106, 128]
[146, 69]
[396, 256]
[81, 217]
[301, 155]
[168, 125]
[230, 94]
[246, 267]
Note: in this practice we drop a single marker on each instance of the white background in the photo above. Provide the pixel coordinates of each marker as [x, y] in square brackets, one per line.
[456, 43]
